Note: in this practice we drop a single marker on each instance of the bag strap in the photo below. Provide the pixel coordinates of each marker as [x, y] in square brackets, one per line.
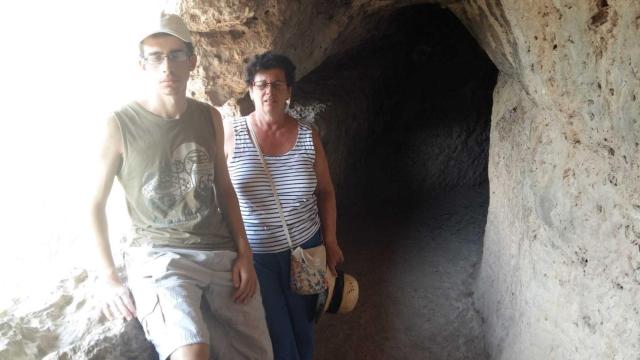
[273, 186]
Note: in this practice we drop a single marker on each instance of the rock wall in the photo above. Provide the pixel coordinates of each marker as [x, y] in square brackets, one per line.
[228, 33]
[63, 322]
[560, 273]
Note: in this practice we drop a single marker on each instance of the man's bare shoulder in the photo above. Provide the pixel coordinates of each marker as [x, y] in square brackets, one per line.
[215, 114]
[109, 135]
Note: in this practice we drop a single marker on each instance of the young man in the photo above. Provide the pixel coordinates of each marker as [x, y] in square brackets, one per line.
[188, 244]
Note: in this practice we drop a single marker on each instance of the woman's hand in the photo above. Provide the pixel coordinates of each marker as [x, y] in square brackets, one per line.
[334, 257]
[244, 278]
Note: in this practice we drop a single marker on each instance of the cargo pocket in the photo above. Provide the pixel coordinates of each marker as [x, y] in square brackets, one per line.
[143, 285]
[152, 317]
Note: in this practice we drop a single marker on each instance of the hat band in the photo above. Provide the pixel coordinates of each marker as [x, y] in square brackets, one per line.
[338, 289]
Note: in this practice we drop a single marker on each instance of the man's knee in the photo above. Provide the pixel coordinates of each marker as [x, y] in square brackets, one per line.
[198, 351]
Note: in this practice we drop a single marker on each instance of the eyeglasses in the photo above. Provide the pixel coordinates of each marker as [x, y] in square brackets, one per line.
[156, 59]
[263, 85]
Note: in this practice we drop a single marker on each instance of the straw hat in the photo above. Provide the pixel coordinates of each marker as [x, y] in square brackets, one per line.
[341, 295]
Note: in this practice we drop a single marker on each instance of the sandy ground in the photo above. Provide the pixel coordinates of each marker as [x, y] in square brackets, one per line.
[416, 272]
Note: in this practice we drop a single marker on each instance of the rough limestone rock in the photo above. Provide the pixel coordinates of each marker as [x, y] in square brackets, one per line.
[228, 33]
[65, 323]
[560, 275]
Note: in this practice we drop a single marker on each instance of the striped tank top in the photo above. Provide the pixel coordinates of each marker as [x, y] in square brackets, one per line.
[295, 180]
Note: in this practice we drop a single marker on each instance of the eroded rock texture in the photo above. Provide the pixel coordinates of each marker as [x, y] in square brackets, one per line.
[229, 32]
[560, 273]
[64, 322]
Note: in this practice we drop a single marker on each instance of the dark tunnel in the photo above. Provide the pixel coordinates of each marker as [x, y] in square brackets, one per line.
[407, 110]
[406, 125]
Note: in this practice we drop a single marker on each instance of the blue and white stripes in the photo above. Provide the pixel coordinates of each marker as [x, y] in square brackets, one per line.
[295, 180]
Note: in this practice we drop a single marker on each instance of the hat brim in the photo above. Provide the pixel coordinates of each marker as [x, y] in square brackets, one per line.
[336, 287]
[350, 294]
[341, 295]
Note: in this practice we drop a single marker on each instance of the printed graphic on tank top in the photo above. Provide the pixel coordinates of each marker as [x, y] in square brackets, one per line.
[172, 192]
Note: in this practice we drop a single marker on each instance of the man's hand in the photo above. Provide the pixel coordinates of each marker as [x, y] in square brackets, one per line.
[118, 302]
[244, 278]
[334, 257]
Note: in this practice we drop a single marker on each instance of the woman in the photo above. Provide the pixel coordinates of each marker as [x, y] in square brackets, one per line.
[299, 169]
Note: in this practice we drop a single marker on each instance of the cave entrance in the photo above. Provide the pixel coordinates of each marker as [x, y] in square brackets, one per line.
[406, 125]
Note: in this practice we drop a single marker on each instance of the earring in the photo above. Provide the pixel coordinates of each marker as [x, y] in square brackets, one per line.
[288, 102]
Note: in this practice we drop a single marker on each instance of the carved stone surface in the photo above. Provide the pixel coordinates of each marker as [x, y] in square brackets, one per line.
[560, 273]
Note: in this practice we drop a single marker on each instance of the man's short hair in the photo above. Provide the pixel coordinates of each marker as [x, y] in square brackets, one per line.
[268, 61]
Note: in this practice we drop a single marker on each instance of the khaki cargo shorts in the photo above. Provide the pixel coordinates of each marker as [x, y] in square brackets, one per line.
[186, 297]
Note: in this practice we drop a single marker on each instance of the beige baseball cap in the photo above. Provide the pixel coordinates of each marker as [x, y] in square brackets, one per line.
[165, 23]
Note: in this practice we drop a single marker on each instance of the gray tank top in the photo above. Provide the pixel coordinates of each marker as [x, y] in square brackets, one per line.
[168, 175]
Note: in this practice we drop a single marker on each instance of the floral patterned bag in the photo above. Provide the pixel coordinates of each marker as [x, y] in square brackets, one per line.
[308, 270]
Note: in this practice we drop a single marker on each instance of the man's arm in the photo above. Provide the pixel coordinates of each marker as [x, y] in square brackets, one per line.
[229, 139]
[326, 205]
[244, 274]
[119, 303]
